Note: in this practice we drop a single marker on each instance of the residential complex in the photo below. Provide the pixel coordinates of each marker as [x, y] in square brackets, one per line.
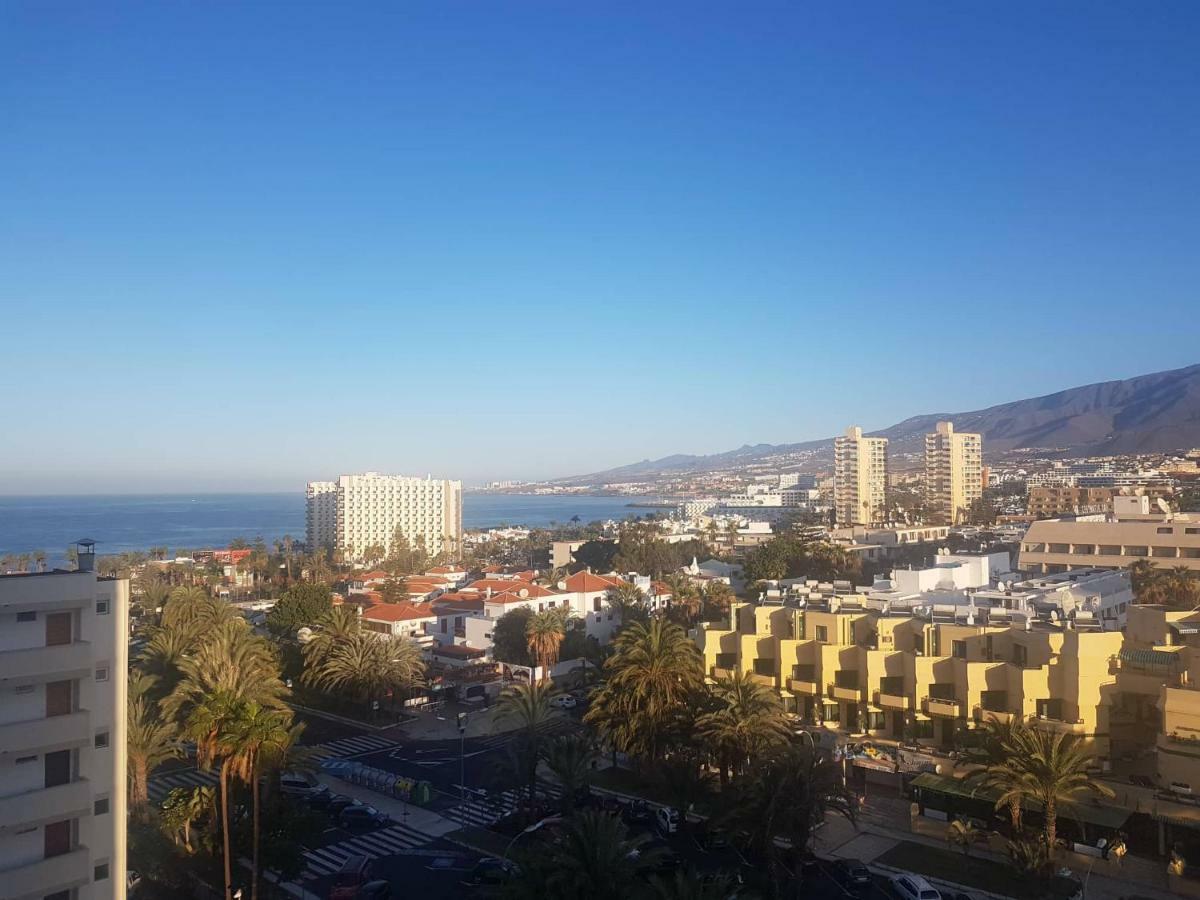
[1131, 533]
[63, 662]
[954, 477]
[1052, 501]
[371, 509]
[860, 472]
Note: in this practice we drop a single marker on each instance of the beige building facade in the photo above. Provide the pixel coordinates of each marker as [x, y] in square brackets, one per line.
[63, 664]
[1060, 545]
[1051, 501]
[953, 473]
[860, 478]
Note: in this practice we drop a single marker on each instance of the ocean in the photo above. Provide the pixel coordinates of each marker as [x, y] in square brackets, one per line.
[119, 523]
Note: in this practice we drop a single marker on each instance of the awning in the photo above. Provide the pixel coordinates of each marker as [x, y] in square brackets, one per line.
[1102, 816]
[1160, 658]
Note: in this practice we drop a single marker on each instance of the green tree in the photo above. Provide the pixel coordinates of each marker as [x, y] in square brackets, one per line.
[366, 666]
[302, 605]
[528, 705]
[651, 674]
[393, 590]
[1176, 588]
[211, 725]
[992, 762]
[510, 643]
[544, 635]
[747, 721]
[569, 758]
[150, 741]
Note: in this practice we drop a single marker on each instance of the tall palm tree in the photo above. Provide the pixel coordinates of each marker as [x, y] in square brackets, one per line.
[365, 665]
[1142, 574]
[259, 737]
[230, 660]
[528, 705]
[212, 725]
[787, 795]
[993, 763]
[164, 654]
[545, 632]
[717, 598]
[150, 741]
[628, 603]
[336, 626]
[186, 607]
[1052, 770]
[747, 720]
[653, 670]
[1178, 588]
[569, 757]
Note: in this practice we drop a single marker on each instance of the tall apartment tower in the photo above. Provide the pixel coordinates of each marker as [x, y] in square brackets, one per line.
[63, 664]
[320, 514]
[368, 509]
[860, 478]
[953, 473]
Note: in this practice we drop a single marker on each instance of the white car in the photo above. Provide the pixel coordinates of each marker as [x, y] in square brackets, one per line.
[298, 784]
[563, 701]
[914, 887]
[667, 819]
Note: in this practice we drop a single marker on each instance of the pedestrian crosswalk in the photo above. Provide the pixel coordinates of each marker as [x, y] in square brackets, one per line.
[160, 785]
[484, 810]
[373, 845]
[352, 746]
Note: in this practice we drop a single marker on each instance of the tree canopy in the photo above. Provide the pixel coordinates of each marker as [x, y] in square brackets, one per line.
[301, 605]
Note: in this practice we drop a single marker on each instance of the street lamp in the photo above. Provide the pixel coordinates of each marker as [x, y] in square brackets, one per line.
[549, 820]
[462, 764]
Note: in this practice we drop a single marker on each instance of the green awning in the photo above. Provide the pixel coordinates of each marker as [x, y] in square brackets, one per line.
[1159, 658]
[1102, 816]
[956, 787]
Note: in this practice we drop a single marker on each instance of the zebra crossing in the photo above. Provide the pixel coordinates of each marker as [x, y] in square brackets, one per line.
[374, 844]
[352, 746]
[482, 811]
[158, 786]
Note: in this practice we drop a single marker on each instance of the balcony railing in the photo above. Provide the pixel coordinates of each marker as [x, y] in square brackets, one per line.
[721, 672]
[849, 694]
[940, 706]
[803, 686]
[50, 733]
[60, 661]
[893, 701]
[982, 715]
[52, 804]
[49, 876]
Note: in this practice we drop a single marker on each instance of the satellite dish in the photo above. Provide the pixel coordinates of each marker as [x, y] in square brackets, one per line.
[1164, 506]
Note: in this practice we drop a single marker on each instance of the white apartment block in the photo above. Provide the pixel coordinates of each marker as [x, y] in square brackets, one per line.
[370, 508]
[63, 665]
[953, 472]
[320, 514]
[860, 478]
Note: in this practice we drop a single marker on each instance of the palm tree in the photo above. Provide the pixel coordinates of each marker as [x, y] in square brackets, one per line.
[545, 632]
[717, 597]
[787, 795]
[1177, 588]
[747, 720]
[39, 559]
[1052, 769]
[150, 741]
[1142, 574]
[594, 858]
[338, 625]
[259, 736]
[365, 665]
[230, 660]
[182, 808]
[993, 763]
[653, 670]
[529, 706]
[163, 655]
[963, 834]
[211, 724]
[628, 603]
[187, 607]
[569, 757]
[731, 532]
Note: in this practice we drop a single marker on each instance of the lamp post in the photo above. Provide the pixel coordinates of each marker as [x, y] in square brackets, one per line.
[549, 820]
[462, 764]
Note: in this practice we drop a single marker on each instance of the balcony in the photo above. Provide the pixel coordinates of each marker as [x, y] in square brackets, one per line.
[940, 706]
[803, 686]
[758, 678]
[1061, 726]
[893, 701]
[49, 876]
[48, 734]
[46, 663]
[848, 694]
[982, 715]
[719, 672]
[64, 801]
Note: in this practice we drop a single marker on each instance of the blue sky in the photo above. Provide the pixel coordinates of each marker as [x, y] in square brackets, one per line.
[245, 245]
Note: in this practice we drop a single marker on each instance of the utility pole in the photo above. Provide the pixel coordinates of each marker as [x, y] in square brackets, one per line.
[462, 764]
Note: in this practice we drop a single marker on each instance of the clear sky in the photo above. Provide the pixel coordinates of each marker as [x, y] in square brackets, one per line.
[246, 245]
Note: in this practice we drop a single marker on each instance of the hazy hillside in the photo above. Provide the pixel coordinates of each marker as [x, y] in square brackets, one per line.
[1143, 414]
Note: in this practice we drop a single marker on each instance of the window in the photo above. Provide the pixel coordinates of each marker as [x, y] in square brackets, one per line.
[22, 760]
[102, 610]
[102, 740]
[26, 617]
[959, 649]
[101, 872]
[100, 807]
[102, 673]
[822, 633]
[23, 689]
[1164, 531]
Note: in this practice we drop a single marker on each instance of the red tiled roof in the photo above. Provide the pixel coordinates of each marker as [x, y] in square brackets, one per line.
[398, 612]
[464, 604]
[527, 575]
[458, 651]
[660, 588]
[587, 583]
[442, 570]
[374, 575]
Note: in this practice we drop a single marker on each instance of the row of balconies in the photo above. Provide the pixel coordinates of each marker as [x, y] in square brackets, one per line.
[52, 875]
[32, 664]
[38, 807]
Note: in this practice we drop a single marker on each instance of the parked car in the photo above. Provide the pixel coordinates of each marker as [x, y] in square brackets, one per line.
[667, 819]
[362, 817]
[319, 799]
[1141, 781]
[354, 874]
[638, 813]
[493, 870]
[298, 784]
[339, 802]
[563, 701]
[852, 875]
[914, 887]
[375, 890]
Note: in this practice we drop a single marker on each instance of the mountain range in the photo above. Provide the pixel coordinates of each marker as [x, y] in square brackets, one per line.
[1145, 414]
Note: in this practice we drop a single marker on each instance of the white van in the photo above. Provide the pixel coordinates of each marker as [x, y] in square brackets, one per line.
[298, 784]
[914, 887]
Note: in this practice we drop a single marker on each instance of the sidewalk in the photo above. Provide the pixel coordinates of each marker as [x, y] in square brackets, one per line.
[418, 817]
[442, 724]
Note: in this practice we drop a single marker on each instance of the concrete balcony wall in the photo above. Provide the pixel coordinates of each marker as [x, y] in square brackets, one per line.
[798, 686]
[45, 735]
[48, 876]
[982, 715]
[850, 695]
[64, 801]
[946, 708]
[893, 701]
[39, 664]
[767, 680]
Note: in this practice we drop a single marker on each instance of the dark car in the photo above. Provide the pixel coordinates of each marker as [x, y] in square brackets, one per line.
[638, 812]
[319, 799]
[339, 802]
[493, 870]
[1141, 781]
[362, 818]
[852, 875]
[375, 890]
[350, 878]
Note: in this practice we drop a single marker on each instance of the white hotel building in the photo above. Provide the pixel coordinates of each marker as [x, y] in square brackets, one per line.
[63, 664]
[358, 511]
